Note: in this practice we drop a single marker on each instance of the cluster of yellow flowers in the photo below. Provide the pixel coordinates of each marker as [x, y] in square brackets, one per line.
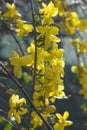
[80, 45]
[70, 23]
[69, 20]
[49, 68]
[11, 14]
[81, 71]
[17, 107]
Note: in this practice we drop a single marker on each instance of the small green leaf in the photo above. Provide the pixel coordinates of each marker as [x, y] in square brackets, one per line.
[1, 120]
[26, 78]
[8, 127]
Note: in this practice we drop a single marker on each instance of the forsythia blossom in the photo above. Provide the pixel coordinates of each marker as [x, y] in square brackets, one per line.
[17, 107]
[18, 62]
[23, 29]
[48, 12]
[62, 121]
[49, 34]
[49, 66]
[11, 12]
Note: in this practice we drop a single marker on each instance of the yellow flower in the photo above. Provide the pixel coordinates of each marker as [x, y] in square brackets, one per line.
[48, 11]
[62, 122]
[23, 29]
[41, 55]
[57, 53]
[70, 23]
[59, 92]
[62, 6]
[36, 120]
[49, 34]
[17, 107]
[11, 12]
[83, 46]
[83, 25]
[15, 61]
[18, 62]
[73, 17]
[75, 41]
[84, 107]
[37, 99]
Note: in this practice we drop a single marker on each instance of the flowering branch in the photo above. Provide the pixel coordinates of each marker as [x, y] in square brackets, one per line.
[26, 95]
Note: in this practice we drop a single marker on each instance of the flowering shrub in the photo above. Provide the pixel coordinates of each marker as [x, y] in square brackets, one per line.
[43, 62]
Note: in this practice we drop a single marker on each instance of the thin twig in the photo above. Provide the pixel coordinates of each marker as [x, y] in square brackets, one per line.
[13, 36]
[9, 122]
[35, 57]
